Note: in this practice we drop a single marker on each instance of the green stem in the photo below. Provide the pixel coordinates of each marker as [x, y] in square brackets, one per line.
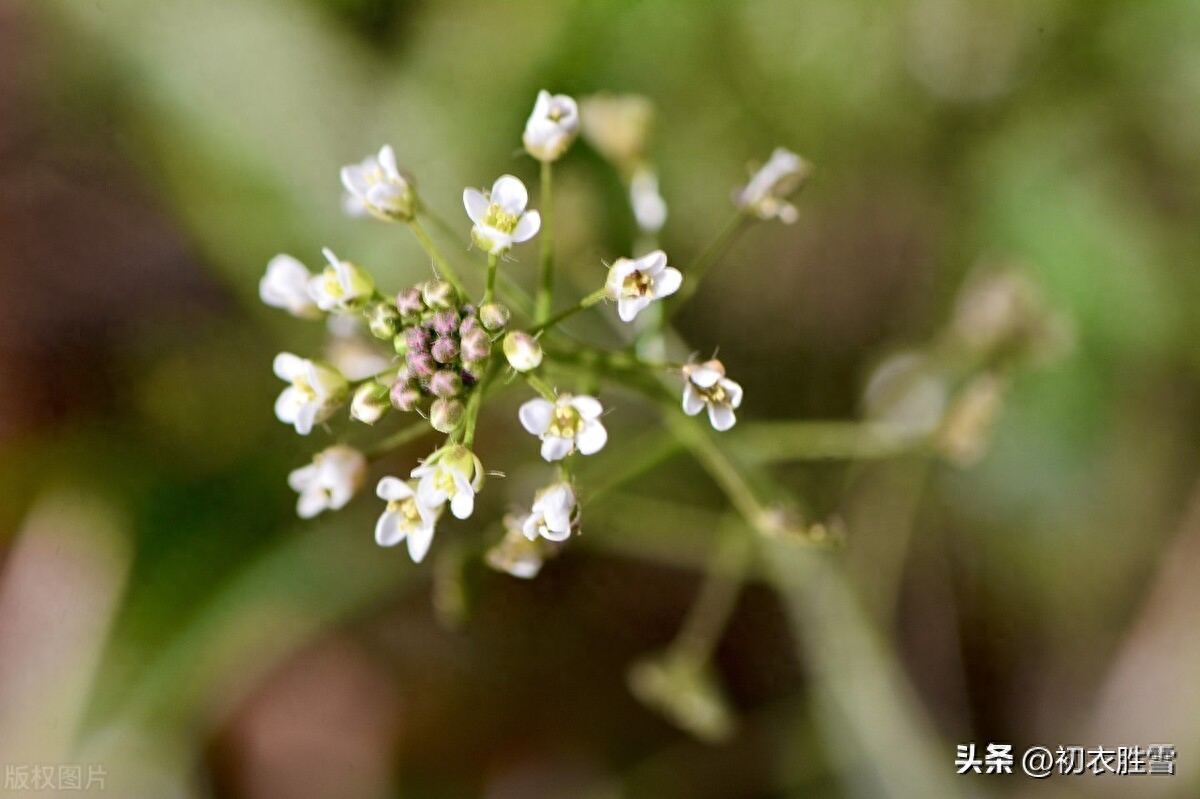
[512, 293]
[694, 275]
[710, 612]
[443, 267]
[582, 305]
[540, 386]
[719, 468]
[490, 289]
[545, 292]
[474, 403]
[399, 439]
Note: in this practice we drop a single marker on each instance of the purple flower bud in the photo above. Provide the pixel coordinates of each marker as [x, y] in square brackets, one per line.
[475, 346]
[445, 384]
[409, 303]
[417, 338]
[405, 396]
[469, 323]
[469, 377]
[420, 365]
[444, 350]
[445, 323]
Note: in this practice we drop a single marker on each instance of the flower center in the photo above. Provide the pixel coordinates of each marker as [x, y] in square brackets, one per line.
[637, 284]
[444, 481]
[556, 113]
[331, 285]
[301, 383]
[406, 509]
[496, 217]
[565, 423]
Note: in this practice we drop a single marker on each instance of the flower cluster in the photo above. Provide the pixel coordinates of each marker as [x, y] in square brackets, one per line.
[440, 348]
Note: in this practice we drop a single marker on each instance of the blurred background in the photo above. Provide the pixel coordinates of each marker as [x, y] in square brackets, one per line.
[165, 616]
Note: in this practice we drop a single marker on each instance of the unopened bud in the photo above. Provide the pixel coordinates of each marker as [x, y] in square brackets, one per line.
[445, 323]
[522, 351]
[475, 346]
[444, 350]
[420, 364]
[494, 316]
[400, 344]
[437, 294]
[409, 303]
[417, 339]
[446, 414]
[384, 320]
[370, 402]
[445, 384]
[405, 396]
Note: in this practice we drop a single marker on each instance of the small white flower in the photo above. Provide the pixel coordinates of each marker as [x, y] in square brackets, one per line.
[377, 187]
[636, 282]
[315, 392]
[619, 127]
[515, 554]
[522, 351]
[285, 285]
[328, 483]
[766, 193]
[500, 217]
[342, 286]
[452, 474]
[555, 514]
[405, 519]
[707, 385]
[649, 207]
[567, 424]
[552, 126]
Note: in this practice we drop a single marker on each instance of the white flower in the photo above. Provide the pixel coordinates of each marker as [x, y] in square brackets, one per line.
[552, 126]
[567, 424]
[500, 217]
[452, 474]
[405, 519]
[766, 193]
[555, 514]
[315, 392]
[649, 207]
[522, 351]
[516, 554]
[342, 286]
[707, 385]
[285, 285]
[377, 187]
[328, 483]
[619, 127]
[636, 282]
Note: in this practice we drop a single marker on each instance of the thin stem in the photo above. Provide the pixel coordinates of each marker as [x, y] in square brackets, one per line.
[710, 612]
[540, 386]
[720, 469]
[545, 291]
[511, 292]
[490, 289]
[582, 305]
[443, 267]
[694, 275]
[399, 439]
[474, 403]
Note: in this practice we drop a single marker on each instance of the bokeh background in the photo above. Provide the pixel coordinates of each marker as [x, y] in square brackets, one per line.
[163, 613]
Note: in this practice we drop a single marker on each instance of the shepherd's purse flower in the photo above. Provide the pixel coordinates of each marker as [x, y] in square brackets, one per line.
[767, 192]
[500, 217]
[405, 519]
[567, 424]
[706, 385]
[328, 483]
[342, 286]
[285, 285]
[378, 187]
[552, 126]
[315, 392]
[636, 282]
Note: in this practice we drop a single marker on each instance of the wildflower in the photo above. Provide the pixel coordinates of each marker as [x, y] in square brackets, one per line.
[514, 553]
[707, 385]
[285, 285]
[451, 474]
[500, 217]
[315, 392]
[555, 514]
[377, 187]
[567, 424]
[405, 519]
[328, 483]
[636, 282]
[522, 351]
[343, 286]
[766, 193]
[649, 207]
[370, 402]
[552, 126]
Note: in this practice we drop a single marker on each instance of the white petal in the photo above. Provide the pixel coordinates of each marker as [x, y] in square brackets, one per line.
[353, 180]
[588, 407]
[592, 437]
[429, 496]
[306, 418]
[527, 227]
[541, 106]
[734, 390]
[287, 366]
[311, 503]
[476, 205]
[288, 406]
[535, 415]
[628, 308]
[509, 193]
[721, 416]
[300, 479]
[693, 403]
[418, 542]
[555, 448]
[463, 503]
[387, 160]
[393, 489]
[555, 533]
[705, 377]
[529, 527]
[387, 530]
[667, 282]
[653, 262]
[622, 269]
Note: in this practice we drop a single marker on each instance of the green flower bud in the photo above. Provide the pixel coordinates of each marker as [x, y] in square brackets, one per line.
[384, 320]
[437, 294]
[522, 351]
[446, 414]
[493, 316]
[371, 401]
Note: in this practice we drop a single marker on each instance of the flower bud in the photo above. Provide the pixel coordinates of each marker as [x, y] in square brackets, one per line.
[437, 294]
[420, 364]
[417, 339]
[370, 402]
[522, 351]
[405, 396]
[493, 316]
[468, 324]
[475, 346]
[444, 350]
[445, 323]
[400, 344]
[446, 414]
[383, 320]
[409, 303]
[445, 384]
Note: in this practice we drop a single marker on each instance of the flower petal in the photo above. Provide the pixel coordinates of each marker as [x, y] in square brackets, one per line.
[287, 366]
[592, 437]
[535, 415]
[510, 194]
[476, 205]
[704, 376]
[288, 406]
[734, 390]
[693, 403]
[555, 448]
[306, 418]
[311, 503]
[652, 262]
[667, 282]
[388, 532]
[387, 160]
[393, 489]
[528, 226]
[299, 479]
[419, 540]
[628, 308]
[588, 407]
[354, 180]
[721, 416]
